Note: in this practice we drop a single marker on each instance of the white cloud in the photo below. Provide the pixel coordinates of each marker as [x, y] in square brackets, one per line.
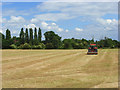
[16, 19]
[108, 28]
[13, 12]
[1, 30]
[106, 21]
[73, 9]
[44, 25]
[14, 24]
[51, 17]
[30, 26]
[56, 11]
[34, 20]
[53, 23]
[66, 30]
[60, 29]
[14, 32]
[78, 29]
[4, 20]
[107, 24]
[109, 21]
[51, 26]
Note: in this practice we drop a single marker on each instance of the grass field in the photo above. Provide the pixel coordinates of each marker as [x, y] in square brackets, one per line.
[59, 69]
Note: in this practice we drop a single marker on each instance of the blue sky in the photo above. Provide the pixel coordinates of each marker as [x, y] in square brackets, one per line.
[68, 19]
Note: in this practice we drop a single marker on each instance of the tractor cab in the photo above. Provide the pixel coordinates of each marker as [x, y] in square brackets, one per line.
[92, 49]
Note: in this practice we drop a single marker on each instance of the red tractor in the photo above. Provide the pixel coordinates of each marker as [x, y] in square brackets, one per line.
[92, 49]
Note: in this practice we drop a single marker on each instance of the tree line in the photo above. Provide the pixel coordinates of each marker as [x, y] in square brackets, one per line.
[28, 40]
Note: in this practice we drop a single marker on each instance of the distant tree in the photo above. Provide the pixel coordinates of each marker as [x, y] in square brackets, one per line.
[116, 43]
[17, 41]
[2, 36]
[35, 42]
[14, 39]
[8, 34]
[81, 46]
[6, 43]
[54, 39]
[108, 42]
[31, 36]
[22, 36]
[75, 43]
[91, 41]
[100, 43]
[35, 34]
[67, 44]
[49, 46]
[39, 35]
[26, 36]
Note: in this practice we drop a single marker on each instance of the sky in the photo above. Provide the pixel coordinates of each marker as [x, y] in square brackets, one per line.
[68, 19]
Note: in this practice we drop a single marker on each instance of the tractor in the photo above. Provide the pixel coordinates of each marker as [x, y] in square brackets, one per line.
[92, 49]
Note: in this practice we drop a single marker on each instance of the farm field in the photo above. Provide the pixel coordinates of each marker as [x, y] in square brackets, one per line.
[59, 69]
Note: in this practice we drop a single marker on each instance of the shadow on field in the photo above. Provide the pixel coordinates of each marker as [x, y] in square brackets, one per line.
[91, 54]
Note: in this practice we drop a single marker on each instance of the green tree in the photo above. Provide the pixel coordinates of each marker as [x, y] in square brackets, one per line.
[116, 43]
[31, 36]
[100, 43]
[108, 43]
[17, 41]
[6, 43]
[54, 39]
[39, 35]
[8, 34]
[26, 36]
[35, 42]
[35, 34]
[67, 44]
[49, 46]
[2, 36]
[22, 36]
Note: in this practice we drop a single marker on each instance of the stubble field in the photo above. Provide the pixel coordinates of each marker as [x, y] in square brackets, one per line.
[59, 69]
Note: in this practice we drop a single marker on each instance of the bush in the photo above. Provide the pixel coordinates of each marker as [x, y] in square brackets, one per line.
[6, 43]
[49, 46]
[13, 46]
[76, 46]
[26, 46]
[61, 46]
[34, 47]
[20, 47]
[43, 45]
[40, 46]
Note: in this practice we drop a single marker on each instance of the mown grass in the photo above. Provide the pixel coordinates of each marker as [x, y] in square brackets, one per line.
[59, 69]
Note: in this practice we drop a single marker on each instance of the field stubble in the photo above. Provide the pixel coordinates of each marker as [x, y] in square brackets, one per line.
[59, 69]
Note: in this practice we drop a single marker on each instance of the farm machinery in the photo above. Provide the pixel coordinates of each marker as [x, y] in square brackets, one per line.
[92, 49]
